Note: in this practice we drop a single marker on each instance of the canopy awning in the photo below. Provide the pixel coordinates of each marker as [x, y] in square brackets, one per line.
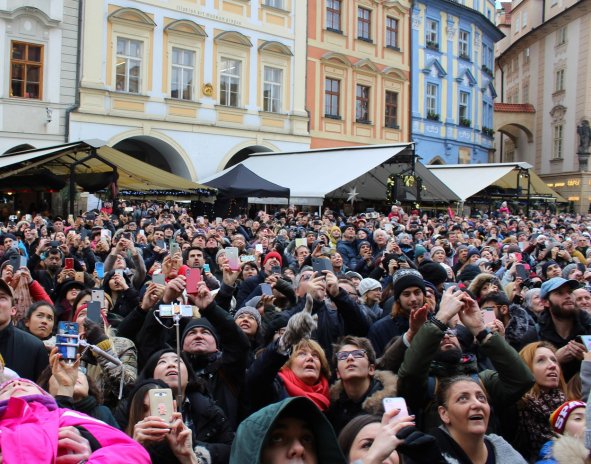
[466, 180]
[240, 182]
[314, 175]
[94, 158]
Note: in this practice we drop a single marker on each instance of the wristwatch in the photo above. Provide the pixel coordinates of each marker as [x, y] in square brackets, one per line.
[480, 336]
[436, 322]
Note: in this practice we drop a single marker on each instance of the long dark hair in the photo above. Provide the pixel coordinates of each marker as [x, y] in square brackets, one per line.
[195, 383]
[136, 402]
[352, 429]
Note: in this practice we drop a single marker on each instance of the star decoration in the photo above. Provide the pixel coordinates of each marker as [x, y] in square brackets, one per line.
[352, 195]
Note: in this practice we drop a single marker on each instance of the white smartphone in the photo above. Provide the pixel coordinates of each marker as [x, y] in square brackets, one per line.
[233, 260]
[396, 403]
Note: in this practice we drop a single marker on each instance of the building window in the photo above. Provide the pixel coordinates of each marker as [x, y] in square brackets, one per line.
[362, 103]
[464, 44]
[230, 82]
[274, 3]
[391, 32]
[524, 20]
[561, 36]
[557, 147]
[391, 110]
[432, 91]
[333, 15]
[463, 109]
[128, 73]
[183, 70]
[526, 56]
[26, 70]
[432, 34]
[364, 24]
[332, 95]
[559, 82]
[272, 89]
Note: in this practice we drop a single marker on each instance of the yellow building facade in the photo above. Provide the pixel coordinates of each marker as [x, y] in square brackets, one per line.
[358, 72]
[193, 86]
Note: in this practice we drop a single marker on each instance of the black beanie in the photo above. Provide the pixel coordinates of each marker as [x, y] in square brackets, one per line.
[545, 267]
[469, 273]
[433, 272]
[405, 278]
[201, 322]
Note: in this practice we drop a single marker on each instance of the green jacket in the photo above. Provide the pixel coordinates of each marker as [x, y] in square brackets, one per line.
[504, 386]
[252, 432]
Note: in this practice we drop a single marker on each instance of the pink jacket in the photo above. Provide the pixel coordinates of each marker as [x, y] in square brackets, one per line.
[29, 433]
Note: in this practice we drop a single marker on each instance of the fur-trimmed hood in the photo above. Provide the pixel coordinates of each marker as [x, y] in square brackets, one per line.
[478, 282]
[384, 386]
[570, 450]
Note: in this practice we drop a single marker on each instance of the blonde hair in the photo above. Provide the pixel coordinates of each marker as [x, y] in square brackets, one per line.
[313, 346]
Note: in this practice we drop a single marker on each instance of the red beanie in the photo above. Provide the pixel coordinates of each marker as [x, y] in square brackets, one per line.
[275, 255]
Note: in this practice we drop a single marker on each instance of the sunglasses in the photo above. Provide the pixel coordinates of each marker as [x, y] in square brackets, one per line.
[342, 355]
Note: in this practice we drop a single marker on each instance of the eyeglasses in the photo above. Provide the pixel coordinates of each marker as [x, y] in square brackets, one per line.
[489, 308]
[450, 333]
[342, 355]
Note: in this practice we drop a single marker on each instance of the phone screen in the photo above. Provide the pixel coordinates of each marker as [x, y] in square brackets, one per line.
[488, 316]
[67, 340]
[100, 270]
[23, 262]
[521, 271]
[586, 339]
[69, 263]
[266, 289]
[159, 279]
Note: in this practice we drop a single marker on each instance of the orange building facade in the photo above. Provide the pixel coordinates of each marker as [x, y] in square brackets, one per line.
[358, 72]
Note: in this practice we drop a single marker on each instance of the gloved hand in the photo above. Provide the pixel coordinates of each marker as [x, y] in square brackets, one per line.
[418, 446]
[299, 326]
[94, 332]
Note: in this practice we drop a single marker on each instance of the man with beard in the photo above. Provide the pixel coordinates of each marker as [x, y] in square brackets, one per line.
[562, 322]
[409, 295]
[53, 262]
[435, 353]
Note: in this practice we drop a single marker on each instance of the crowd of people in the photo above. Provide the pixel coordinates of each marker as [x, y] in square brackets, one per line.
[295, 337]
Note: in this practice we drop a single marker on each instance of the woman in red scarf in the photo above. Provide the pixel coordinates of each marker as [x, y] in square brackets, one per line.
[274, 376]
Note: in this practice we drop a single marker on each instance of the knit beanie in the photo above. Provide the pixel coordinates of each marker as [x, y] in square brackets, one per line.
[473, 251]
[469, 273]
[249, 310]
[437, 248]
[363, 242]
[405, 278]
[368, 284]
[559, 417]
[545, 267]
[568, 269]
[201, 322]
[420, 251]
[273, 254]
[433, 272]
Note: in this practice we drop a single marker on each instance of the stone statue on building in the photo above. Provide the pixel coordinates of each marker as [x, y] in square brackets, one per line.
[584, 132]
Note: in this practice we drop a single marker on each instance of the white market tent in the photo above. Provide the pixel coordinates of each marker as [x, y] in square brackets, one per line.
[313, 175]
[466, 180]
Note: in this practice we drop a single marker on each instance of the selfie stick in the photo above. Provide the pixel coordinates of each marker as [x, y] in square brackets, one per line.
[96, 350]
[176, 318]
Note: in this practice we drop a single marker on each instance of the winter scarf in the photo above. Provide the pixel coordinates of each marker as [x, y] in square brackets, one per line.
[295, 387]
[534, 417]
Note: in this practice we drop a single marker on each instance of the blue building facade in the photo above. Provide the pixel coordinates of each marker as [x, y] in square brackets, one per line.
[452, 80]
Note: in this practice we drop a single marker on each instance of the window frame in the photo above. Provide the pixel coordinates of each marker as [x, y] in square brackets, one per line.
[561, 35]
[332, 13]
[431, 34]
[26, 63]
[464, 44]
[559, 80]
[434, 97]
[230, 77]
[391, 110]
[183, 67]
[269, 4]
[392, 32]
[364, 24]
[463, 106]
[360, 102]
[275, 87]
[129, 58]
[334, 96]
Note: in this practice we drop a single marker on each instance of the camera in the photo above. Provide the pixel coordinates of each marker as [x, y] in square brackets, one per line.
[175, 309]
